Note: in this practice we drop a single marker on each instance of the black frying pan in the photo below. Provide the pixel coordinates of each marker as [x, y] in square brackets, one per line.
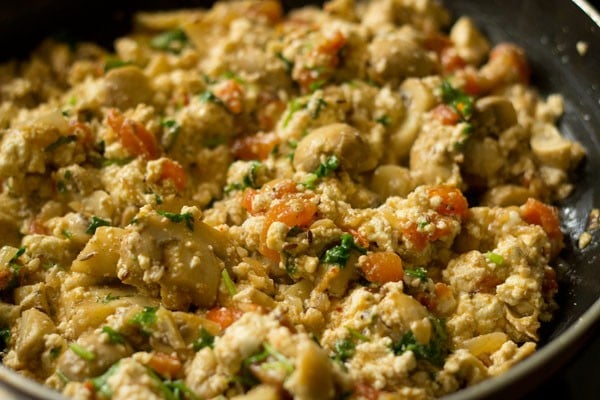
[547, 29]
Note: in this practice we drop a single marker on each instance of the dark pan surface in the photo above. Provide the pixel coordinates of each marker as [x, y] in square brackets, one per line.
[547, 29]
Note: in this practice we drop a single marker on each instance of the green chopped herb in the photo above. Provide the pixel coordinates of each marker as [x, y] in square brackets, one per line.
[157, 199]
[61, 186]
[419, 273]
[173, 41]
[234, 76]
[289, 64]
[341, 253]
[250, 178]
[82, 352]
[95, 223]
[204, 340]
[212, 142]
[108, 298]
[294, 106]
[228, 282]
[343, 350]
[317, 111]
[177, 218]
[62, 140]
[290, 265]
[494, 258]
[233, 186]
[458, 100]
[4, 338]
[145, 319]
[172, 131]
[421, 225]
[13, 261]
[180, 390]
[116, 161]
[55, 352]
[465, 134]
[325, 168]
[63, 378]
[434, 351]
[282, 360]
[113, 63]
[114, 337]
[100, 383]
[383, 120]
[66, 233]
[357, 334]
[210, 97]
[316, 85]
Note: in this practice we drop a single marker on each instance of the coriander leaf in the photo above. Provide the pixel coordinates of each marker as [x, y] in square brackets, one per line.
[145, 319]
[250, 178]
[172, 131]
[420, 273]
[228, 282]
[113, 63]
[13, 259]
[317, 111]
[343, 350]
[383, 120]
[325, 168]
[204, 340]
[357, 334]
[294, 106]
[177, 218]
[62, 140]
[210, 97]
[289, 64]
[114, 337]
[172, 41]
[95, 223]
[435, 351]
[494, 258]
[341, 253]
[180, 390]
[100, 383]
[4, 338]
[82, 352]
[458, 100]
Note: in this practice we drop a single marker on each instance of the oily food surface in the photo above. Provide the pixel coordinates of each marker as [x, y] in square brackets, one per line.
[245, 204]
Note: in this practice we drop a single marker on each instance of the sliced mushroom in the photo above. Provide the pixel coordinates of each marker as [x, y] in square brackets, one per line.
[506, 195]
[551, 149]
[495, 112]
[471, 45]
[341, 140]
[394, 58]
[126, 87]
[391, 180]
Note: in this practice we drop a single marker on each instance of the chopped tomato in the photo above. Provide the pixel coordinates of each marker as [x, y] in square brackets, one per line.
[134, 137]
[358, 238]
[445, 114]
[437, 42]
[293, 211]
[382, 267]
[175, 173]
[231, 94]
[419, 237]
[538, 213]
[270, 108]
[452, 201]
[513, 59]
[168, 366]
[365, 391]
[254, 147]
[247, 199]
[451, 61]
[82, 131]
[224, 316]
[322, 60]
[472, 86]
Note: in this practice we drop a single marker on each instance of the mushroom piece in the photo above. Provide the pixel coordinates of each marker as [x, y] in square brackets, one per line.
[341, 140]
[394, 58]
[495, 112]
[126, 87]
[471, 45]
[552, 149]
[391, 180]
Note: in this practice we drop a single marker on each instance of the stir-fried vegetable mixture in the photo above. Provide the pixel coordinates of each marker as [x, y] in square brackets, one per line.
[347, 202]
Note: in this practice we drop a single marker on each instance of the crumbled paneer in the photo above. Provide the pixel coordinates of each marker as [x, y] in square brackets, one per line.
[251, 204]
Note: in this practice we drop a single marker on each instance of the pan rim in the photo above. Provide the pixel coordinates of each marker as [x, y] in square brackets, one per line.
[14, 386]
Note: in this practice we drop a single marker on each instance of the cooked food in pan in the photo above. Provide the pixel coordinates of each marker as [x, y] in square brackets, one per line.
[347, 202]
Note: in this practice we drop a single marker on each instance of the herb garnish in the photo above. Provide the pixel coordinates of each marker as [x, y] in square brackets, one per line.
[341, 253]
[177, 218]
